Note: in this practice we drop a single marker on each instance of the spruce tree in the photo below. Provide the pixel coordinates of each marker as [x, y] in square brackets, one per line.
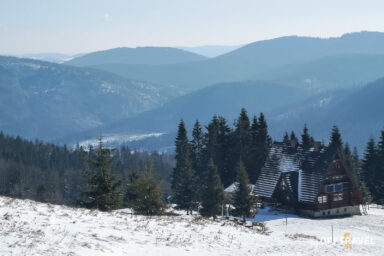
[293, 137]
[213, 193]
[335, 140]
[210, 140]
[254, 155]
[263, 143]
[183, 184]
[369, 166]
[379, 173]
[242, 200]
[356, 158]
[286, 139]
[130, 194]
[103, 187]
[305, 138]
[197, 150]
[148, 197]
[242, 135]
[224, 153]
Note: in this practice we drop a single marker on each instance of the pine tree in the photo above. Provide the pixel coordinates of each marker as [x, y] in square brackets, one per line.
[103, 187]
[213, 193]
[197, 150]
[242, 135]
[286, 139]
[255, 153]
[183, 179]
[210, 140]
[218, 147]
[262, 143]
[130, 194]
[379, 173]
[293, 137]
[224, 153]
[356, 158]
[242, 200]
[305, 138]
[147, 195]
[352, 165]
[335, 140]
[369, 166]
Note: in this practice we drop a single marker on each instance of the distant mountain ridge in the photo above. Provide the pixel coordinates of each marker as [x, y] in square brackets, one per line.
[51, 57]
[211, 51]
[329, 72]
[250, 61]
[48, 101]
[139, 56]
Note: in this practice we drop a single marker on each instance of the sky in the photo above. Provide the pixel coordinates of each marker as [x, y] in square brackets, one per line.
[76, 26]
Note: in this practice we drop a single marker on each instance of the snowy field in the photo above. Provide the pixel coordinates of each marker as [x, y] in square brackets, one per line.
[30, 228]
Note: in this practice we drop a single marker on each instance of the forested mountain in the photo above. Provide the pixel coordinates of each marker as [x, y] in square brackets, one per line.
[357, 112]
[325, 73]
[289, 49]
[139, 55]
[309, 80]
[253, 60]
[50, 173]
[47, 101]
[221, 99]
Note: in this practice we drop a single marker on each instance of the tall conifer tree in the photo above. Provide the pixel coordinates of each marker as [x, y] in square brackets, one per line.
[335, 140]
[103, 187]
[183, 179]
[369, 166]
[263, 143]
[286, 139]
[224, 153]
[242, 135]
[379, 174]
[213, 193]
[306, 138]
[197, 150]
[242, 200]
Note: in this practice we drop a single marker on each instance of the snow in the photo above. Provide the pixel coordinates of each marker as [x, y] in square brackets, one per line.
[287, 164]
[118, 138]
[31, 228]
[231, 188]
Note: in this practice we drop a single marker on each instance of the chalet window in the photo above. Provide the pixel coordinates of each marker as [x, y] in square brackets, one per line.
[329, 188]
[337, 196]
[339, 187]
[334, 188]
[322, 199]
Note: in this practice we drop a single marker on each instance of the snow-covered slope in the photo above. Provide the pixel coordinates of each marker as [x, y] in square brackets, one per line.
[30, 228]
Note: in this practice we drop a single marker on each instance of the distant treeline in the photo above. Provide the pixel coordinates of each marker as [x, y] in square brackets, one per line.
[55, 174]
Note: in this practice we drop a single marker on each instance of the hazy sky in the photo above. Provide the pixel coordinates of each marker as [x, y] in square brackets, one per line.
[72, 26]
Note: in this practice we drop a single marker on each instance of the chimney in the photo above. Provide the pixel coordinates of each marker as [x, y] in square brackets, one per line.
[317, 146]
[293, 144]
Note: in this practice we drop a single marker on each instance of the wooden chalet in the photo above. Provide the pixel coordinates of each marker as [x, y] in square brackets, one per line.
[315, 182]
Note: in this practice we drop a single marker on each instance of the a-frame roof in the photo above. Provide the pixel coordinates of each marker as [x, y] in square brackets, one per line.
[311, 165]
